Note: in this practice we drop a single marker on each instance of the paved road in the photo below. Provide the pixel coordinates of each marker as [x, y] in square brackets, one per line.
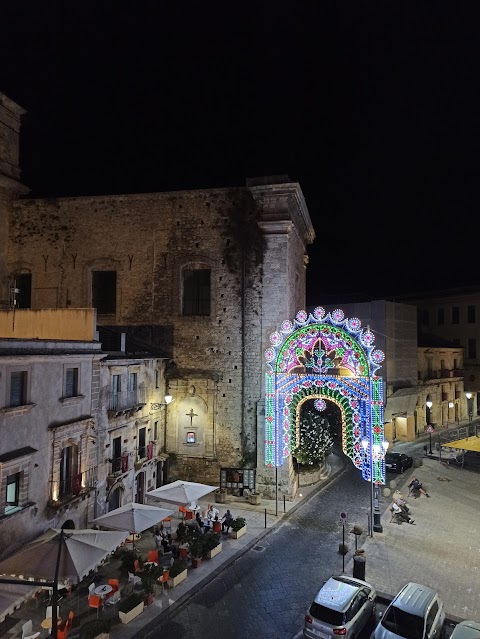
[264, 594]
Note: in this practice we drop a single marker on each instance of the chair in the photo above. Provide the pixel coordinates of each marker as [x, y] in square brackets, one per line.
[113, 599]
[217, 526]
[115, 583]
[94, 601]
[167, 520]
[183, 510]
[27, 631]
[133, 579]
[189, 514]
[153, 556]
[163, 580]
[183, 553]
[91, 589]
[63, 629]
[136, 564]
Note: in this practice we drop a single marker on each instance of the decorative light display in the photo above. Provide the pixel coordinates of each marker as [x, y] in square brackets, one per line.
[325, 357]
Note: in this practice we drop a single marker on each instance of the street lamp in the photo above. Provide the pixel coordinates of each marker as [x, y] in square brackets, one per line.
[376, 453]
[429, 405]
[157, 406]
[370, 523]
[468, 395]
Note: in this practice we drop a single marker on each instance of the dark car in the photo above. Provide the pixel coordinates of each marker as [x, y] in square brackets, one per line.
[398, 462]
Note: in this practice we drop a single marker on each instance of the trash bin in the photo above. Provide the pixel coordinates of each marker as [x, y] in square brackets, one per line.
[359, 562]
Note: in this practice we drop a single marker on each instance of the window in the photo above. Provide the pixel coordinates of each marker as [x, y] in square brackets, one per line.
[115, 391]
[191, 438]
[13, 492]
[21, 290]
[70, 480]
[425, 317]
[196, 292]
[132, 382]
[155, 431]
[104, 292]
[18, 388]
[117, 454]
[472, 348]
[431, 616]
[455, 315]
[71, 382]
[441, 316]
[471, 314]
[142, 438]
[157, 377]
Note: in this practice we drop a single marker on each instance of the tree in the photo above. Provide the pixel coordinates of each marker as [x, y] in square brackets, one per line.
[315, 439]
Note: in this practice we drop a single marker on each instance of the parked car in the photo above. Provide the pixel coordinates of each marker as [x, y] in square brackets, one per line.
[416, 612]
[398, 462]
[342, 607]
[466, 630]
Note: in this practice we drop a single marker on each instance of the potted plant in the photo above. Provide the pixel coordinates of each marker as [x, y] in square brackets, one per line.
[131, 607]
[95, 629]
[239, 527]
[149, 575]
[195, 545]
[211, 544]
[221, 496]
[254, 498]
[178, 572]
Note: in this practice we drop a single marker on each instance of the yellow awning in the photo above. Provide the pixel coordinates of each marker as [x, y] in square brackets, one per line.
[470, 443]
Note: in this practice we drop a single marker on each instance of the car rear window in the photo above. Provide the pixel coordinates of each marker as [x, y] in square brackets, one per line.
[403, 623]
[327, 615]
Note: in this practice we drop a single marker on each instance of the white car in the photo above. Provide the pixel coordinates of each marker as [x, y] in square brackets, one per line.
[342, 607]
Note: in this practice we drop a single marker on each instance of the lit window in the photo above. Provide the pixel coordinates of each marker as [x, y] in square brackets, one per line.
[13, 492]
[190, 438]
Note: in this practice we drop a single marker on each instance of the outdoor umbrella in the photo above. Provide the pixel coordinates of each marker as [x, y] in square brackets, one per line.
[181, 492]
[133, 517]
[81, 551]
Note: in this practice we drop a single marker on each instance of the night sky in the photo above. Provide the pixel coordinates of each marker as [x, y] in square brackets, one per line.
[371, 106]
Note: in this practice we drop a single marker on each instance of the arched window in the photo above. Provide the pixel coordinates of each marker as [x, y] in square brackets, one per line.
[196, 280]
[70, 478]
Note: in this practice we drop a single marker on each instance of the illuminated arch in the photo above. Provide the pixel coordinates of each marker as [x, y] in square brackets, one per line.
[331, 357]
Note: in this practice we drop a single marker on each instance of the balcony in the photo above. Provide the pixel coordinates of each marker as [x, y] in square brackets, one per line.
[119, 465]
[66, 490]
[125, 401]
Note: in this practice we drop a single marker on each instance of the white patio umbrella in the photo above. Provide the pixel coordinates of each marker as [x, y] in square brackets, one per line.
[181, 492]
[81, 551]
[133, 517]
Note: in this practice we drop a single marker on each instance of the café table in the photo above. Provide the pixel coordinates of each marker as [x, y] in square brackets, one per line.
[104, 590]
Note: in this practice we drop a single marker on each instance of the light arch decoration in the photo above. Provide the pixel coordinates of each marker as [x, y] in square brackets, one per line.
[325, 356]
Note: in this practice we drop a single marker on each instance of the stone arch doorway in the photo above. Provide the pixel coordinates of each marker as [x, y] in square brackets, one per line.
[331, 358]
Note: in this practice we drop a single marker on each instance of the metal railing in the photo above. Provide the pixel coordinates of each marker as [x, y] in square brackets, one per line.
[124, 400]
[65, 490]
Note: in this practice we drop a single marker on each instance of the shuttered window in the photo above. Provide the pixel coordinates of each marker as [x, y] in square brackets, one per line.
[18, 388]
[71, 382]
[196, 292]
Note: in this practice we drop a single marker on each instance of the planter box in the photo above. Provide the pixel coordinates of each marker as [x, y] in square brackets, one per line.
[196, 561]
[235, 534]
[221, 498]
[255, 500]
[126, 617]
[149, 599]
[215, 551]
[174, 581]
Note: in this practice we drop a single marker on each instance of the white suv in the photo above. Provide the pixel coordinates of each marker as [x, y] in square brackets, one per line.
[342, 607]
[416, 612]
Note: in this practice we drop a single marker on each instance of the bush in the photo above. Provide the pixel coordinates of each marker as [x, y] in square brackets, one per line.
[149, 576]
[91, 629]
[178, 566]
[127, 558]
[130, 602]
[238, 523]
[210, 541]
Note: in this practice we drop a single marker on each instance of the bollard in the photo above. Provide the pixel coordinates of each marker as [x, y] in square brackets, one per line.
[265, 517]
[359, 562]
[284, 506]
[386, 492]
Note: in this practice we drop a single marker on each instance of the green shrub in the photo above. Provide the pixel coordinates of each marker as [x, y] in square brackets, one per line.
[238, 523]
[178, 566]
[130, 602]
[91, 629]
[210, 541]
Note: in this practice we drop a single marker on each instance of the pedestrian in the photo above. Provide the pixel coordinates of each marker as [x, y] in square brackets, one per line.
[416, 486]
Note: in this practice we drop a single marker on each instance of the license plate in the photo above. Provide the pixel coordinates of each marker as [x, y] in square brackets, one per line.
[319, 633]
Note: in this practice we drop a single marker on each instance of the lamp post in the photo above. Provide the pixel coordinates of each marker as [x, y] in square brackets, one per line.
[157, 406]
[370, 523]
[376, 453]
[429, 404]
[468, 395]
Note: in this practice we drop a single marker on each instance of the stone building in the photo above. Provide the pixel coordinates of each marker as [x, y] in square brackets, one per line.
[205, 275]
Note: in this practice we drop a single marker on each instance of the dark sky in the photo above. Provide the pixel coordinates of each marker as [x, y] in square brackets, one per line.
[371, 106]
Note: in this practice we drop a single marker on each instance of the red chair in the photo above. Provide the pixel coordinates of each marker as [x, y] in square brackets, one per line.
[167, 520]
[183, 510]
[94, 601]
[136, 564]
[153, 556]
[217, 526]
[189, 514]
[183, 553]
[115, 583]
[163, 580]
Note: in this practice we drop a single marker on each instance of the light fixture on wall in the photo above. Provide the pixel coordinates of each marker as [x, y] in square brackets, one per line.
[468, 395]
[157, 406]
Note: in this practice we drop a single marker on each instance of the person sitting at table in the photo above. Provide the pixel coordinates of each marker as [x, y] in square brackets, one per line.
[227, 521]
[198, 522]
[212, 512]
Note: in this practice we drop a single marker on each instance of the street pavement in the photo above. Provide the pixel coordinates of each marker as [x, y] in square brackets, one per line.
[441, 550]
